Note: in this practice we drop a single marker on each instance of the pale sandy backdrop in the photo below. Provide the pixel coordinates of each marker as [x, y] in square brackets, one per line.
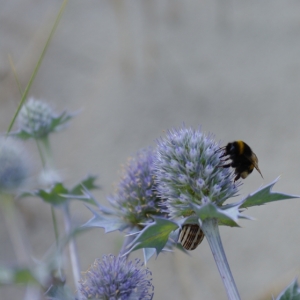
[137, 68]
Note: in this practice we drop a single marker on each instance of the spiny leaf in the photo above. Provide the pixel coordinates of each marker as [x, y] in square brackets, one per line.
[53, 195]
[228, 216]
[58, 194]
[88, 183]
[154, 235]
[148, 253]
[59, 292]
[292, 292]
[108, 222]
[58, 122]
[265, 195]
[21, 134]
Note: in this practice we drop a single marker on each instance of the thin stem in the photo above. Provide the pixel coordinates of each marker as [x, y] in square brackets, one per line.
[41, 153]
[72, 246]
[11, 217]
[127, 241]
[54, 220]
[45, 152]
[211, 230]
[49, 175]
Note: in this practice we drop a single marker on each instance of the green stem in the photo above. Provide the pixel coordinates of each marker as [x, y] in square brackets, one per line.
[211, 230]
[54, 220]
[44, 148]
[72, 246]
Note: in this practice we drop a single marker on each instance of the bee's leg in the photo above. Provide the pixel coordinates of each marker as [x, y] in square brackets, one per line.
[237, 177]
[226, 165]
[223, 154]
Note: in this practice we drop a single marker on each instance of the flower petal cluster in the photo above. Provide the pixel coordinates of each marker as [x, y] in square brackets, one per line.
[136, 200]
[36, 117]
[187, 171]
[14, 169]
[113, 278]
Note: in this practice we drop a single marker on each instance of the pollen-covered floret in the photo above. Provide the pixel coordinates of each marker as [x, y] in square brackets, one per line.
[187, 171]
[113, 278]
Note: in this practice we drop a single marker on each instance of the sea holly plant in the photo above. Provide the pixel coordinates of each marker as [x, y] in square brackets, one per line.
[189, 175]
[291, 292]
[37, 120]
[135, 202]
[115, 278]
[60, 197]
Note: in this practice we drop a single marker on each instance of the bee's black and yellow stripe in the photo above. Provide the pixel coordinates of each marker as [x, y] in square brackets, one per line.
[191, 236]
[243, 159]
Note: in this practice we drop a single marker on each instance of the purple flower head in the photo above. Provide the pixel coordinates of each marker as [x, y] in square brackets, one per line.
[136, 200]
[187, 171]
[14, 168]
[113, 278]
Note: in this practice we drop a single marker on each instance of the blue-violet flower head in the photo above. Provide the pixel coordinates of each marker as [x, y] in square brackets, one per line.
[113, 278]
[35, 118]
[135, 199]
[187, 170]
[14, 168]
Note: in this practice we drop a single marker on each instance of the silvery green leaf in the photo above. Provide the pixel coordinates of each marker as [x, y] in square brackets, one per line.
[21, 134]
[292, 292]
[88, 183]
[265, 195]
[59, 292]
[57, 123]
[58, 194]
[148, 253]
[228, 216]
[154, 235]
[16, 276]
[108, 222]
[193, 219]
[53, 195]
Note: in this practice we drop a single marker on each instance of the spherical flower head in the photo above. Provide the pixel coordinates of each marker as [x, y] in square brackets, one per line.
[114, 278]
[188, 171]
[136, 200]
[13, 166]
[35, 118]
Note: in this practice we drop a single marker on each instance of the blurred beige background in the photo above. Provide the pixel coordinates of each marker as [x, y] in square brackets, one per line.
[137, 68]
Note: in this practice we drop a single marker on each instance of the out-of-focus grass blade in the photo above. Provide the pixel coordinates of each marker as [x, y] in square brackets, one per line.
[24, 95]
[12, 65]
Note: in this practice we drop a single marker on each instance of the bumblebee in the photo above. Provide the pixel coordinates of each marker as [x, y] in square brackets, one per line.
[243, 159]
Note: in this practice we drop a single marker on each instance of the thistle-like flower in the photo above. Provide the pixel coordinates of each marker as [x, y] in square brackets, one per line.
[136, 200]
[35, 118]
[187, 171]
[13, 166]
[113, 278]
